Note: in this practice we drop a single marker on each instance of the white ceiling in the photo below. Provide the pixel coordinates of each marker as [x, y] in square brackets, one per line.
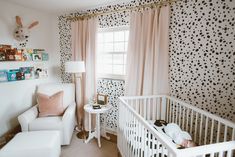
[63, 6]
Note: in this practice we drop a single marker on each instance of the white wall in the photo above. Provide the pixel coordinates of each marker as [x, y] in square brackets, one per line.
[16, 97]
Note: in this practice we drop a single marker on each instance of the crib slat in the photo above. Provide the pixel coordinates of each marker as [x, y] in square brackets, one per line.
[170, 113]
[183, 123]
[212, 131]
[148, 109]
[133, 136]
[187, 121]
[154, 109]
[229, 154]
[233, 134]
[206, 128]
[158, 108]
[225, 132]
[221, 154]
[157, 150]
[163, 109]
[152, 142]
[180, 115]
[176, 117]
[200, 129]
[143, 140]
[128, 131]
[218, 133]
[173, 112]
[191, 123]
[145, 106]
[149, 141]
[195, 135]
[137, 107]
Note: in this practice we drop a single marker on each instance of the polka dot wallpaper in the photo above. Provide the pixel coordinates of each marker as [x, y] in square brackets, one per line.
[202, 53]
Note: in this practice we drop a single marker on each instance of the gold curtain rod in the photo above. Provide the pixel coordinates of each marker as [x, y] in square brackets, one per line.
[151, 5]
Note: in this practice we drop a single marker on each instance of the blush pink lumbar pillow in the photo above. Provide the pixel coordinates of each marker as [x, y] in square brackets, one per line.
[50, 105]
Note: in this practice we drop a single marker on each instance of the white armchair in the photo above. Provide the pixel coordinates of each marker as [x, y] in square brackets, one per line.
[30, 121]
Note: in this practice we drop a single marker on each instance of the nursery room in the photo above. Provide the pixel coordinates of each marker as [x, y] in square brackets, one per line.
[109, 78]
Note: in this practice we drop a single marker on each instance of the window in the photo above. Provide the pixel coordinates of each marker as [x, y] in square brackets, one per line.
[111, 53]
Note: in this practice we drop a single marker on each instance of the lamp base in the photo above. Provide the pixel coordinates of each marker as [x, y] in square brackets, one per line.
[82, 134]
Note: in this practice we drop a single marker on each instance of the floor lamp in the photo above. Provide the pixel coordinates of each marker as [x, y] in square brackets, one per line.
[77, 68]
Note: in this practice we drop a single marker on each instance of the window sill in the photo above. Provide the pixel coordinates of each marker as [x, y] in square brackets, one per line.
[111, 77]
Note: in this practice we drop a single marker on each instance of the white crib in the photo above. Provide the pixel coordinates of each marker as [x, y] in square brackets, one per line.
[137, 137]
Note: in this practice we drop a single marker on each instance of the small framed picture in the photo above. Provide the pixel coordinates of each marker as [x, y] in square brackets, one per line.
[37, 56]
[102, 99]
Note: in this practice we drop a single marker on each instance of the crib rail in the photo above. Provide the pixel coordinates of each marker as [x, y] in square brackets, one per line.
[136, 137]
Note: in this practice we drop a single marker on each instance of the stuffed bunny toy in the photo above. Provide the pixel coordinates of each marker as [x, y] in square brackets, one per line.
[22, 33]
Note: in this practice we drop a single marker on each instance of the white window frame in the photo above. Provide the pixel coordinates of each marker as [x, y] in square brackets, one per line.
[112, 76]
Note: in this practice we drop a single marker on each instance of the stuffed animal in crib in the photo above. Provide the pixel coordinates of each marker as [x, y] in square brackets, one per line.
[21, 32]
[180, 137]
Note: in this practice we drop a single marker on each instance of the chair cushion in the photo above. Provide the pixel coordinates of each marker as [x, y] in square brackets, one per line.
[46, 123]
[50, 89]
[50, 105]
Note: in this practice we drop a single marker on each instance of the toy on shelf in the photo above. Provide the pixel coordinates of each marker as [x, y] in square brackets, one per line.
[11, 74]
[28, 72]
[23, 73]
[40, 71]
[3, 76]
[7, 53]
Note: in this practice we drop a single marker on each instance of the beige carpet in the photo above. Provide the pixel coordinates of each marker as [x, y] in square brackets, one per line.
[78, 148]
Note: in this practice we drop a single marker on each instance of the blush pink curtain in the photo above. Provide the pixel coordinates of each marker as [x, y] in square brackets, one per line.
[148, 53]
[84, 34]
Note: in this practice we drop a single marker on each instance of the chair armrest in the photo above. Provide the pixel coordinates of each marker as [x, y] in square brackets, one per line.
[69, 122]
[69, 112]
[26, 117]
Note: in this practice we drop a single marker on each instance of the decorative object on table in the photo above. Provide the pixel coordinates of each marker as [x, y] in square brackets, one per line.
[102, 99]
[28, 72]
[3, 76]
[37, 57]
[96, 107]
[11, 74]
[76, 68]
[22, 33]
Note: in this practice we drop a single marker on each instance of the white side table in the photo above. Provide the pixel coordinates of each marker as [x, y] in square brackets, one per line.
[96, 134]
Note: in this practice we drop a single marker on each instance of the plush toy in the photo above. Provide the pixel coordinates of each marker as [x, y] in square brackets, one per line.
[180, 137]
[22, 33]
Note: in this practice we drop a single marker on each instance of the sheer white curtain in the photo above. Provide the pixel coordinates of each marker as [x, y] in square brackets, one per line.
[148, 53]
[84, 34]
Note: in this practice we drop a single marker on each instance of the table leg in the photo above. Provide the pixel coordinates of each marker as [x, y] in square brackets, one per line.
[91, 135]
[98, 128]
[89, 123]
[104, 128]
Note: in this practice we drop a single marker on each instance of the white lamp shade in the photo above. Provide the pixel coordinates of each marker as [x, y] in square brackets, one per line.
[75, 67]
